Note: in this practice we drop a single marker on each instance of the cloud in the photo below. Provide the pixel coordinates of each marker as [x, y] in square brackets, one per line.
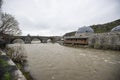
[56, 17]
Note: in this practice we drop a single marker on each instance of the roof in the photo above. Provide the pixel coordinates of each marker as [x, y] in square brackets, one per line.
[116, 28]
[85, 30]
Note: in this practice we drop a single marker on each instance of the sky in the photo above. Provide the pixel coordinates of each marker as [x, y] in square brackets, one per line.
[56, 17]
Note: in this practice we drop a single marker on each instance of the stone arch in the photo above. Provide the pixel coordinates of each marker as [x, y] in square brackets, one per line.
[52, 40]
[17, 40]
[36, 40]
[49, 40]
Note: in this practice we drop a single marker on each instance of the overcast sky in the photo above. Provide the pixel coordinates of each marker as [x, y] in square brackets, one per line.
[56, 17]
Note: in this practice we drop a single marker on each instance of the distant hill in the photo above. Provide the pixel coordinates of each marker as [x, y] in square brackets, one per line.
[70, 33]
[100, 28]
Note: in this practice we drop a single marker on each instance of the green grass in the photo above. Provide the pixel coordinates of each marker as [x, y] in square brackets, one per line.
[107, 27]
[99, 28]
[6, 74]
[3, 63]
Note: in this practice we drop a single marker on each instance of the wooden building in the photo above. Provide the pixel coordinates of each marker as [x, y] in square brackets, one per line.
[76, 41]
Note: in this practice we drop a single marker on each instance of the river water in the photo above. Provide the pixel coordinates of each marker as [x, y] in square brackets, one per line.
[55, 62]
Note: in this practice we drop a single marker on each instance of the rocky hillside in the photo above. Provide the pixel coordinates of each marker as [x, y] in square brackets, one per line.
[100, 28]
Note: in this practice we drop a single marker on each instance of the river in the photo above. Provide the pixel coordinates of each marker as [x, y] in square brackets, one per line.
[55, 62]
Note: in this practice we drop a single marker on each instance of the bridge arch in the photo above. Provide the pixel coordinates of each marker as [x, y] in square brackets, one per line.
[28, 39]
[49, 40]
[17, 40]
[36, 40]
[52, 39]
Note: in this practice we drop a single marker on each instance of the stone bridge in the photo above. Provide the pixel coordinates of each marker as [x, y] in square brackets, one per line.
[28, 39]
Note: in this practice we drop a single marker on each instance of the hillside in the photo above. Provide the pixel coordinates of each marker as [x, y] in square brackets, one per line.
[70, 33]
[100, 28]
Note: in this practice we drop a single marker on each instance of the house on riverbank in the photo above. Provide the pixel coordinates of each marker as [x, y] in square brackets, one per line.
[81, 36]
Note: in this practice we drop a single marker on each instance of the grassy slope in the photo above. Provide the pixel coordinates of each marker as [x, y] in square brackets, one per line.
[4, 73]
[100, 28]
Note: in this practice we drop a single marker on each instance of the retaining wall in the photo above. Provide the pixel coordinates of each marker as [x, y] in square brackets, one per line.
[105, 40]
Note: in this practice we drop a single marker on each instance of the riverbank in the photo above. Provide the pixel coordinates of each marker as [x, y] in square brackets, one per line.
[11, 69]
[87, 47]
[18, 55]
[106, 41]
[8, 69]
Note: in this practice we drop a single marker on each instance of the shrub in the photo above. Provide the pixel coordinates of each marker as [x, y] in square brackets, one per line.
[17, 53]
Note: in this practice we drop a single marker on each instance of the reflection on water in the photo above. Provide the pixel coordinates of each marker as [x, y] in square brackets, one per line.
[35, 42]
[56, 62]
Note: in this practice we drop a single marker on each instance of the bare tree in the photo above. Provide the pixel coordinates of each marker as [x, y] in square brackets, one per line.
[0, 3]
[9, 25]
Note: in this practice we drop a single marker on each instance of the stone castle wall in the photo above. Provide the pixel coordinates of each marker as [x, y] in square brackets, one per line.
[105, 40]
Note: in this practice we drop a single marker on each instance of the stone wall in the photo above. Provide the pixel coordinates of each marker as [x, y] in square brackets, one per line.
[105, 40]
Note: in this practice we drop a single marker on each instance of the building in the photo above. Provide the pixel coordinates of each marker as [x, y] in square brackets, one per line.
[81, 36]
[84, 31]
[76, 41]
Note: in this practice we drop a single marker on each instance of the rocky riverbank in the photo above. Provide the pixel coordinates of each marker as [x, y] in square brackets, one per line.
[8, 69]
[13, 64]
[18, 55]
